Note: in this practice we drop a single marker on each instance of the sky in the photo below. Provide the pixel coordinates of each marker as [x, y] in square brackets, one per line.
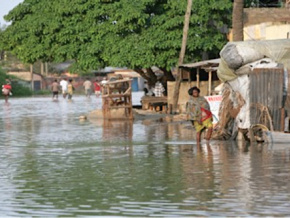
[5, 7]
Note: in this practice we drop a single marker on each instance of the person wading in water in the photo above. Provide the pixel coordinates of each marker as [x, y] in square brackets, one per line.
[198, 111]
[6, 90]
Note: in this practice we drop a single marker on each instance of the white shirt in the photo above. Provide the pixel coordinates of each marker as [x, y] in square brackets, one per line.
[103, 82]
[64, 85]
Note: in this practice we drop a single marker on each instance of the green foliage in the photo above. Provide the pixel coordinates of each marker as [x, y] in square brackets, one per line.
[42, 92]
[19, 90]
[131, 33]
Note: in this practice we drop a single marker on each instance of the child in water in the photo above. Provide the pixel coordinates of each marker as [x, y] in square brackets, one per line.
[70, 89]
[6, 90]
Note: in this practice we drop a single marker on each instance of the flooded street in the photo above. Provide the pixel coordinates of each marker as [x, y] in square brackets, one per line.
[53, 164]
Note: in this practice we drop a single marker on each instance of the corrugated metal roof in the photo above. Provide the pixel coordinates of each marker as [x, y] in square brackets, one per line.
[206, 63]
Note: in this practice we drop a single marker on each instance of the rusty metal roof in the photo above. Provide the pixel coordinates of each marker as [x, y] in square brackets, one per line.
[202, 64]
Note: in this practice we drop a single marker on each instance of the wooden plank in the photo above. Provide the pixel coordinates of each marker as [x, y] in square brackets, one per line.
[119, 106]
[209, 82]
[118, 81]
[115, 95]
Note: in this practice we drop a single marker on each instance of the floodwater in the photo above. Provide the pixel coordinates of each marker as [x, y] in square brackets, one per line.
[53, 164]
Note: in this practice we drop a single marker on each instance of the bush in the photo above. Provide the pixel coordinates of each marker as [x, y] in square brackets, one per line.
[42, 92]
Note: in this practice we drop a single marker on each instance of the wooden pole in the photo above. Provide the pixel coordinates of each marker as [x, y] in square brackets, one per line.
[31, 77]
[209, 82]
[41, 68]
[182, 54]
[197, 78]
[46, 68]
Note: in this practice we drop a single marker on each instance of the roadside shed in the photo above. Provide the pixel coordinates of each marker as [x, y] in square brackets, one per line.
[202, 74]
[38, 79]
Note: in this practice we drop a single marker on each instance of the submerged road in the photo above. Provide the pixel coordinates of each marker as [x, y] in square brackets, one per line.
[53, 164]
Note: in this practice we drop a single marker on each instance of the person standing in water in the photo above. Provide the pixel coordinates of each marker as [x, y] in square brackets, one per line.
[198, 111]
[88, 87]
[64, 84]
[70, 89]
[97, 88]
[6, 90]
[54, 89]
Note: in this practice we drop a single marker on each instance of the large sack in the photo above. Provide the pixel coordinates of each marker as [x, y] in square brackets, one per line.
[263, 63]
[231, 56]
[241, 85]
[238, 54]
[224, 72]
[277, 50]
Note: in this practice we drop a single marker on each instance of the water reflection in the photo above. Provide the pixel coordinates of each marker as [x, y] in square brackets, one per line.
[53, 164]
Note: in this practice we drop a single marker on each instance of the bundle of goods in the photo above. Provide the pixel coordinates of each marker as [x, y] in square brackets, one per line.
[256, 81]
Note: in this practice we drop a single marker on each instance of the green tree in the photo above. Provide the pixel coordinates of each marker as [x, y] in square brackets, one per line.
[137, 34]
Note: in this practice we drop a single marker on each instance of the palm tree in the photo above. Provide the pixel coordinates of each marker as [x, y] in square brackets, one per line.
[238, 24]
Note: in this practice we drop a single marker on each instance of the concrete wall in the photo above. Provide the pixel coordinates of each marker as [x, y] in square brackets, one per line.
[253, 16]
[265, 23]
[266, 31]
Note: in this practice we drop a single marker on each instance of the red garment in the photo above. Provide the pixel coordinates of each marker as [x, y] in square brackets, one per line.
[7, 86]
[97, 86]
[205, 114]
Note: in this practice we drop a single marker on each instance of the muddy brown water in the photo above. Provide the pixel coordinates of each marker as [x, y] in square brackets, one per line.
[53, 164]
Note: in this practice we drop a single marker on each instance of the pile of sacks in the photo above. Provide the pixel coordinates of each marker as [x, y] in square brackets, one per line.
[238, 60]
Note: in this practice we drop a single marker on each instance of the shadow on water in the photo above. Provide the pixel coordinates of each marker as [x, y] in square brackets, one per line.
[53, 164]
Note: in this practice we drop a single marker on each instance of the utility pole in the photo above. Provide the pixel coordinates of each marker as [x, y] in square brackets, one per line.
[182, 54]
[41, 68]
[31, 78]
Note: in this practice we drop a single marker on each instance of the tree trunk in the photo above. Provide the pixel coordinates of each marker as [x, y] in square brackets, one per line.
[238, 23]
[182, 54]
[149, 76]
[167, 74]
[41, 68]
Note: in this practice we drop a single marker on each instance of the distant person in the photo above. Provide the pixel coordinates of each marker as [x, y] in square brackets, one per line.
[88, 87]
[198, 111]
[55, 89]
[97, 87]
[159, 89]
[148, 91]
[64, 84]
[70, 89]
[104, 81]
[146, 88]
[6, 89]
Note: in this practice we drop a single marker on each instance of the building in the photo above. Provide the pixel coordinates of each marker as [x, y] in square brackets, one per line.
[266, 23]
[39, 82]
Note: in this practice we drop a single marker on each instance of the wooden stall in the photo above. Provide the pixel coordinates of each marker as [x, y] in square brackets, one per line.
[117, 99]
[208, 66]
[202, 74]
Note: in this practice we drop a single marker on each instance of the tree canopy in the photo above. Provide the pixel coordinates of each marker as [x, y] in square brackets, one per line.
[137, 34]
